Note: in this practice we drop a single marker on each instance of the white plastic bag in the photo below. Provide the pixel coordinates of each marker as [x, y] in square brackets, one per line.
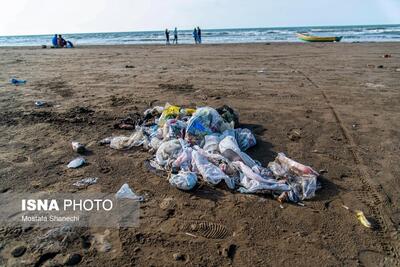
[168, 152]
[126, 192]
[210, 173]
[138, 138]
[229, 142]
[184, 180]
[211, 142]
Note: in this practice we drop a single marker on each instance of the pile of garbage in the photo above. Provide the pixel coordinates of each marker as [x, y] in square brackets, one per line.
[207, 143]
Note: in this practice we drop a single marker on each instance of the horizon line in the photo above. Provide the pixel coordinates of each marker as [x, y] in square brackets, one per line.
[209, 29]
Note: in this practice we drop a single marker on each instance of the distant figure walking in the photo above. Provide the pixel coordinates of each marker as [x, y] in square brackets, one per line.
[198, 35]
[175, 36]
[167, 36]
[195, 36]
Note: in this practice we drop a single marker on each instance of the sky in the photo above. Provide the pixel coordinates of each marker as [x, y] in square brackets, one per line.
[23, 17]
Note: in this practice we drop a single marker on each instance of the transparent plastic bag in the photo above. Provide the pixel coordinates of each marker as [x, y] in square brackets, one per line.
[138, 138]
[168, 152]
[211, 143]
[229, 142]
[245, 138]
[169, 112]
[126, 192]
[210, 173]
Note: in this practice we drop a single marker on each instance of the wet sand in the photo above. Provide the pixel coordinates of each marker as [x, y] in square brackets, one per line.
[341, 99]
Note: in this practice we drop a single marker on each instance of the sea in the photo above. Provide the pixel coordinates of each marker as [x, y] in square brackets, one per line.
[366, 33]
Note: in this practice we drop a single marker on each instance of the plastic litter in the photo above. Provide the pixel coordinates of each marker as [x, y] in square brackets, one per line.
[187, 143]
[138, 138]
[229, 142]
[126, 192]
[169, 112]
[229, 115]
[40, 103]
[211, 143]
[78, 147]
[245, 138]
[86, 182]
[360, 216]
[17, 81]
[168, 152]
[184, 180]
[76, 163]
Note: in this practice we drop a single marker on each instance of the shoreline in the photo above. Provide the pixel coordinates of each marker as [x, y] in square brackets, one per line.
[208, 44]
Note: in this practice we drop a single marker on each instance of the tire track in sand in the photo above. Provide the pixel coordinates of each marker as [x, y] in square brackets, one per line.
[372, 194]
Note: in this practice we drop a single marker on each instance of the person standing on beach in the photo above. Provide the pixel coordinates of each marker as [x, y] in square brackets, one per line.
[167, 36]
[54, 41]
[198, 35]
[195, 36]
[61, 41]
[175, 36]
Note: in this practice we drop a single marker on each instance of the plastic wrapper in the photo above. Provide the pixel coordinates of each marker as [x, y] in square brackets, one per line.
[168, 152]
[210, 173]
[205, 121]
[138, 138]
[211, 143]
[174, 128]
[169, 112]
[245, 138]
[76, 163]
[184, 180]
[126, 192]
[229, 142]
[183, 161]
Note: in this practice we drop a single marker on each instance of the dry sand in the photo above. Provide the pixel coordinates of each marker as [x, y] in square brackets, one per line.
[345, 107]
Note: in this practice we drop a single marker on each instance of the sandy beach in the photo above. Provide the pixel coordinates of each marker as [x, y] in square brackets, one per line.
[334, 107]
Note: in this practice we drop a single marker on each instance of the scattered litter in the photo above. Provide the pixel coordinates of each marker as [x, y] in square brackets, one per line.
[78, 147]
[380, 66]
[40, 103]
[184, 180]
[207, 144]
[86, 182]
[76, 163]
[387, 56]
[261, 71]
[398, 70]
[126, 192]
[105, 141]
[360, 216]
[189, 234]
[17, 82]
[129, 66]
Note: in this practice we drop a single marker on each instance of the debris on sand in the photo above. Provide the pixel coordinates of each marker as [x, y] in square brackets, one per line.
[76, 163]
[126, 192]
[78, 147]
[17, 82]
[207, 143]
[86, 182]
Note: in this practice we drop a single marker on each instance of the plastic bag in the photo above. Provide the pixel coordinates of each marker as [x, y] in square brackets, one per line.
[168, 152]
[184, 180]
[126, 192]
[211, 143]
[294, 166]
[169, 112]
[138, 138]
[76, 163]
[174, 129]
[86, 181]
[205, 121]
[245, 138]
[183, 161]
[229, 142]
[210, 173]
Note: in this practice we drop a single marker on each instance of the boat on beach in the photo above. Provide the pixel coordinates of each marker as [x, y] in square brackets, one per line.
[311, 38]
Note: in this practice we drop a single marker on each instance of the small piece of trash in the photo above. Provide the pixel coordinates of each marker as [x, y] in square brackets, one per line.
[189, 234]
[40, 103]
[361, 217]
[17, 82]
[261, 71]
[126, 192]
[86, 181]
[78, 147]
[76, 163]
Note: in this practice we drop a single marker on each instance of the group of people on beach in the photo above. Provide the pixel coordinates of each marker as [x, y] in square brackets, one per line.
[59, 42]
[196, 36]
